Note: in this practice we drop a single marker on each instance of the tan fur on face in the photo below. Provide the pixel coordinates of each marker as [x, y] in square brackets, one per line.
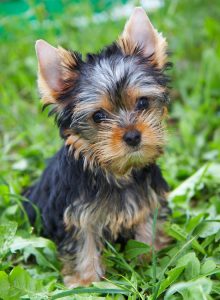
[106, 104]
[114, 154]
[101, 102]
[111, 152]
[130, 96]
[77, 144]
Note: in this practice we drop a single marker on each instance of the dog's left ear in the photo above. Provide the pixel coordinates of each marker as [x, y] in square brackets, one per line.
[139, 32]
[57, 71]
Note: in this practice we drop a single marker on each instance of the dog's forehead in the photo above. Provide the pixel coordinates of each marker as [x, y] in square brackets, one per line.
[118, 72]
[117, 77]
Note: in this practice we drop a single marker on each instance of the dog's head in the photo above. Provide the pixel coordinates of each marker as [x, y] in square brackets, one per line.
[110, 107]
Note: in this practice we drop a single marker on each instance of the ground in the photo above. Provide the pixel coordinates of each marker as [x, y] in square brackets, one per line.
[190, 267]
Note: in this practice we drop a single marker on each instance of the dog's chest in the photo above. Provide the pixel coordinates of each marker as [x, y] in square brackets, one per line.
[109, 208]
[125, 212]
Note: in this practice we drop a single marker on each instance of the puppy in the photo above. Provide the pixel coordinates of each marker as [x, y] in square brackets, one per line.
[104, 184]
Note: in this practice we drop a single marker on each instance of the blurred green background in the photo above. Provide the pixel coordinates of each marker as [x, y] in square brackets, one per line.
[28, 137]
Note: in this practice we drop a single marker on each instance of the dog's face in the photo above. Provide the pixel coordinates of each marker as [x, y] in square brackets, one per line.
[110, 107]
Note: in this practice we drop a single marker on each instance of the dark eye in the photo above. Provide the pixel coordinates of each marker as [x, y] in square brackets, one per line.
[142, 103]
[99, 116]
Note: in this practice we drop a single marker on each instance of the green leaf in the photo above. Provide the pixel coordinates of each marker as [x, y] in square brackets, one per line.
[91, 290]
[135, 248]
[209, 228]
[188, 187]
[116, 297]
[106, 285]
[193, 290]
[181, 235]
[41, 258]
[20, 243]
[22, 284]
[4, 285]
[4, 192]
[191, 264]
[194, 221]
[208, 267]
[216, 287]
[43, 249]
[192, 269]
[172, 276]
[7, 233]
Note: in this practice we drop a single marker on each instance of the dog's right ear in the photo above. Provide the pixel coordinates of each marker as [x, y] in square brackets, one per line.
[139, 32]
[57, 71]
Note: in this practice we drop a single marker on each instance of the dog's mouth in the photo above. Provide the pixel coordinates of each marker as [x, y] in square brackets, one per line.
[134, 150]
[123, 165]
[136, 158]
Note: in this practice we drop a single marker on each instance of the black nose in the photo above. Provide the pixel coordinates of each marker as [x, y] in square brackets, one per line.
[132, 138]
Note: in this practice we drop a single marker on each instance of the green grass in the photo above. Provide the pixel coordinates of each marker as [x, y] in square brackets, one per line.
[190, 267]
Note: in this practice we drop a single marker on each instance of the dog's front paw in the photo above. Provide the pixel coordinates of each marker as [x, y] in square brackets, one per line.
[76, 280]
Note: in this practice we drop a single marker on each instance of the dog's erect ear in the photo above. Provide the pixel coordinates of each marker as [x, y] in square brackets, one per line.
[139, 32]
[55, 71]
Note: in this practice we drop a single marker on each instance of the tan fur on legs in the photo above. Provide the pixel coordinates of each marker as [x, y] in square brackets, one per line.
[87, 263]
[144, 233]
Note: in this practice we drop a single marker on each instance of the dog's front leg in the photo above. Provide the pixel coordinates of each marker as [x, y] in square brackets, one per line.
[84, 266]
[144, 233]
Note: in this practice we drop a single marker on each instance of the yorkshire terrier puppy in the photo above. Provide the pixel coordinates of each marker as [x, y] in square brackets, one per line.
[104, 184]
